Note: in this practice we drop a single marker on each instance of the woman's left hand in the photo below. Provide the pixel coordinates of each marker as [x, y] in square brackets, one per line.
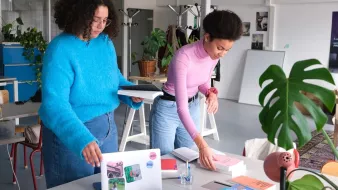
[212, 102]
[137, 99]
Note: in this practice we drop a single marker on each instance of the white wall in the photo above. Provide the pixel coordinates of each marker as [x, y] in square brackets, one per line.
[302, 1]
[213, 2]
[232, 64]
[303, 24]
[138, 33]
[305, 27]
[163, 17]
[237, 2]
[308, 35]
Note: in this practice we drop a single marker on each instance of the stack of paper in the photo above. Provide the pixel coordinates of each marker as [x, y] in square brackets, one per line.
[229, 165]
[169, 168]
[185, 154]
[148, 95]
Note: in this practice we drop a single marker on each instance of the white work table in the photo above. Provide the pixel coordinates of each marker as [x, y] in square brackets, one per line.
[200, 177]
[11, 111]
[10, 80]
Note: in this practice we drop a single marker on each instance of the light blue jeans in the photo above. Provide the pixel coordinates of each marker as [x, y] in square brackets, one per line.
[166, 129]
[62, 166]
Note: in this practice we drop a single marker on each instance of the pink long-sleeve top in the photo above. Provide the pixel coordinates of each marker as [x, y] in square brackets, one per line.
[189, 72]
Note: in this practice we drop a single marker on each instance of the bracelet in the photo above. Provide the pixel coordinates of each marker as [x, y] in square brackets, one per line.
[212, 90]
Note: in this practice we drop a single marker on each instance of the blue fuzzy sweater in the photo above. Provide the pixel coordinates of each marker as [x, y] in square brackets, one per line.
[80, 81]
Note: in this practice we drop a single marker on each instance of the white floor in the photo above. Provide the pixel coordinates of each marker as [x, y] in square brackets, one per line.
[236, 123]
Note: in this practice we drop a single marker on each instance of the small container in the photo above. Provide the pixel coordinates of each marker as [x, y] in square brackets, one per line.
[186, 172]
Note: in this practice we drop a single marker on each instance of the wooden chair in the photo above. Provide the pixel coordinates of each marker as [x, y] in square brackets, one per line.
[36, 148]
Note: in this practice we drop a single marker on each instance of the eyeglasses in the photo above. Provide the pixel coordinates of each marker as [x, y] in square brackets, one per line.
[105, 22]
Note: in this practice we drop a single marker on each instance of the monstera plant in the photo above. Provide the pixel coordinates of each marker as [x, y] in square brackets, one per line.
[280, 116]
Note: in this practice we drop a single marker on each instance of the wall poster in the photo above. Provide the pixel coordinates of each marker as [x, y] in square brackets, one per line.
[333, 61]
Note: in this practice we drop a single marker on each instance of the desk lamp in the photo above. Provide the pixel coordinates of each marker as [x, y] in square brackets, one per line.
[278, 165]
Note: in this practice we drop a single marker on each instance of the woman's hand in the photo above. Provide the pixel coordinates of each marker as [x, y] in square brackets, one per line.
[92, 154]
[205, 153]
[212, 102]
[207, 158]
[137, 100]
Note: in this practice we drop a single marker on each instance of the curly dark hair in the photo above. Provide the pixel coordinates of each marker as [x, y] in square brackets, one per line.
[76, 16]
[223, 24]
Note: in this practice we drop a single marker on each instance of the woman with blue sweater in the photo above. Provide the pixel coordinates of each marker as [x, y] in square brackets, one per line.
[80, 80]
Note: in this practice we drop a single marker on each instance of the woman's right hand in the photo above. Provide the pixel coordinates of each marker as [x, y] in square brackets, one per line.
[207, 158]
[92, 154]
[206, 155]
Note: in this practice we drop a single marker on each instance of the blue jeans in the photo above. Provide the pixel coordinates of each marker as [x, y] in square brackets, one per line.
[166, 129]
[62, 166]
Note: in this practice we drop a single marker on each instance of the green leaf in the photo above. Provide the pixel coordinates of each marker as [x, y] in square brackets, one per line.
[133, 56]
[281, 114]
[7, 28]
[307, 182]
[166, 61]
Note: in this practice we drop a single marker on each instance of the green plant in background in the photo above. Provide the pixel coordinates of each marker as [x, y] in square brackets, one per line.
[133, 56]
[280, 114]
[30, 40]
[7, 30]
[166, 60]
[151, 44]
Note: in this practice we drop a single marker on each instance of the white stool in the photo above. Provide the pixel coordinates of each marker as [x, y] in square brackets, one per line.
[143, 138]
[213, 128]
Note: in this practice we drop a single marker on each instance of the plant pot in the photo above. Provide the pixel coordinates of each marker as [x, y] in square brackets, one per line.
[147, 67]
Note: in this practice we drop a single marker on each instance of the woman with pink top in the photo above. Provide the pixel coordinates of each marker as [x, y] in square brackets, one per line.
[174, 119]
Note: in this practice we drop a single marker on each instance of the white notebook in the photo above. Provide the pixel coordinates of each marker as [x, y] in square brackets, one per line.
[148, 95]
[185, 154]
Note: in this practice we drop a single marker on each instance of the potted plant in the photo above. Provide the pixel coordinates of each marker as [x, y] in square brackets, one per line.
[8, 29]
[280, 115]
[34, 48]
[151, 45]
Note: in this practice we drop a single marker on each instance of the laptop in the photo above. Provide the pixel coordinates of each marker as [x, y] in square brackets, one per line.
[131, 170]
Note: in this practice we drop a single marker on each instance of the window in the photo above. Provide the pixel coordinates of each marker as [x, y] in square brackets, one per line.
[34, 13]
